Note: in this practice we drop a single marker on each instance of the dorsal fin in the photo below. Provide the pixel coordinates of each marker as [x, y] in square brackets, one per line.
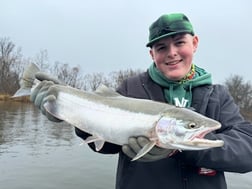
[105, 91]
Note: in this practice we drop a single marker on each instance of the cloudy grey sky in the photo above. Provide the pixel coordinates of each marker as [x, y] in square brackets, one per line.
[109, 35]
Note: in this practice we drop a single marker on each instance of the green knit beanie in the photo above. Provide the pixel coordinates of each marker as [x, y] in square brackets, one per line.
[167, 25]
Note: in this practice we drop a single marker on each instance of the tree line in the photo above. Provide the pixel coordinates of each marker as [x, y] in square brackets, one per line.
[12, 64]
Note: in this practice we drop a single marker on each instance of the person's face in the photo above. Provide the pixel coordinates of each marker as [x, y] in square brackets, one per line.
[173, 55]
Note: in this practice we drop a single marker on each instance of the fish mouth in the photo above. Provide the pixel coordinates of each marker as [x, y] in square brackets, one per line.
[201, 134]
[199, 140]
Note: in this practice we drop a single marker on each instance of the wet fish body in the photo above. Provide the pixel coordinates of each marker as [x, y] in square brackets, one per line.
[110, 117]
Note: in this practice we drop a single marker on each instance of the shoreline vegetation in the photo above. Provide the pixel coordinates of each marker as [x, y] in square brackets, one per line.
[7, 97]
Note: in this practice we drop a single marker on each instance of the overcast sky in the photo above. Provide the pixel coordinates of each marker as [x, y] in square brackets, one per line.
[109, 35]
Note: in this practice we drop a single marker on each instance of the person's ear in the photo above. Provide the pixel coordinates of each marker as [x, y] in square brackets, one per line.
[151, 54]
[195, 43]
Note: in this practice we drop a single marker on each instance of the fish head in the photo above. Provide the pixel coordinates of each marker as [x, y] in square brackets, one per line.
[184, 129]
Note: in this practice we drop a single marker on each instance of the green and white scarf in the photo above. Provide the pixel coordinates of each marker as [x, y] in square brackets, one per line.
[179, 93]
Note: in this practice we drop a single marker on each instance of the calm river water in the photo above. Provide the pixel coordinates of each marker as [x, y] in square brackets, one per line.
[36, 153]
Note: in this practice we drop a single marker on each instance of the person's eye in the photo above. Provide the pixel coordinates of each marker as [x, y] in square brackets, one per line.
[180, 42]
[161, 48]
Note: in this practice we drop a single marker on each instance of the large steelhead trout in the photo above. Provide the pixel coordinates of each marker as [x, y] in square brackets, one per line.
[110, 117]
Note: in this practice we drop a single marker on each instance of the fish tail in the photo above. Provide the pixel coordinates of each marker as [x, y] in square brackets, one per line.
[27, 80]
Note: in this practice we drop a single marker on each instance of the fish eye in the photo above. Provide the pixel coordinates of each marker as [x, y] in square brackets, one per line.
[192, 125]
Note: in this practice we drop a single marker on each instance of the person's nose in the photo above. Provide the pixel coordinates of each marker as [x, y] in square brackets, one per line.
[172, 51]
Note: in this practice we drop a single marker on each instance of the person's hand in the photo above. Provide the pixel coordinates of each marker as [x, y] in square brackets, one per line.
[135, 144]
[41, 94]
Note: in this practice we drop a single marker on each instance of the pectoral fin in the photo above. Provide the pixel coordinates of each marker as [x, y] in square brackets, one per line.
[97, 141]
[144, 150]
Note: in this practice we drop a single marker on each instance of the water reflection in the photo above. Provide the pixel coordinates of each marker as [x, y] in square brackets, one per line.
[22, 123]
[37, 153]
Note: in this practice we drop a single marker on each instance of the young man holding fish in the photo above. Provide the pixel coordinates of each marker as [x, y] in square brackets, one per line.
[173, 78]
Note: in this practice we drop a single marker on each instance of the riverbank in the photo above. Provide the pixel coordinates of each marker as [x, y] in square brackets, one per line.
[7, 97]
[4, 97]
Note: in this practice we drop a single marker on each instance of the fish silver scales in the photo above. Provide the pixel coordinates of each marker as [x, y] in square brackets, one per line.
[109, 116]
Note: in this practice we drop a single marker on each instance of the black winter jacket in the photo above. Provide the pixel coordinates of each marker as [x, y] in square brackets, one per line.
[181, 171]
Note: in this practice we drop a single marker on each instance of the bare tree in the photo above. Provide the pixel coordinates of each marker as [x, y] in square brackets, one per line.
[113, 80]
[94, 80]
[69, 75]
[10, 60]
[42, 60]
[117, 77]
[12, 64]
[241, 91]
